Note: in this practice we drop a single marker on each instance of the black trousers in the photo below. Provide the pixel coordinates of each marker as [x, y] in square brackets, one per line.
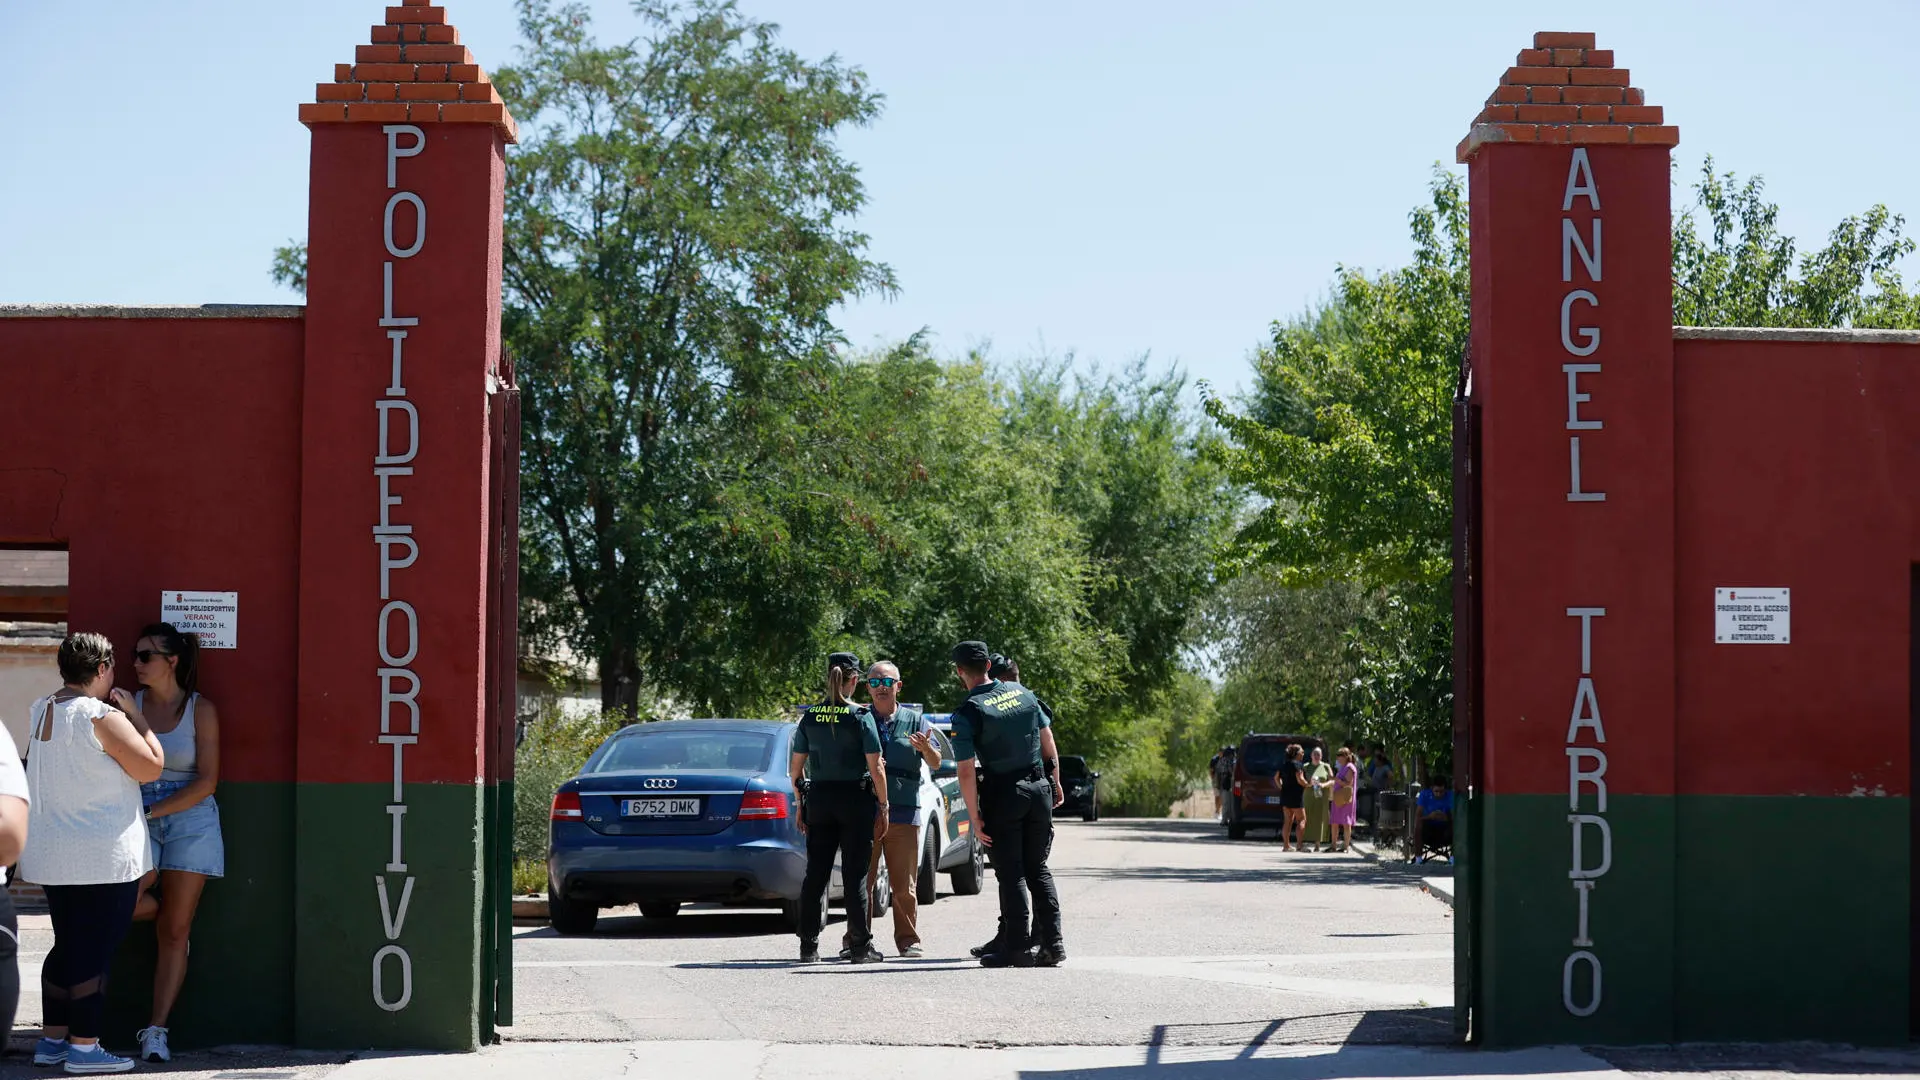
[840, 819]
[88, 923]
[1020, 824]
[9, 962]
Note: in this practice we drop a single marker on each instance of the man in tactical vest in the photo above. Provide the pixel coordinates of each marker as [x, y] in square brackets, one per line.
[837, 769]
[1003, 727]
[908, 750]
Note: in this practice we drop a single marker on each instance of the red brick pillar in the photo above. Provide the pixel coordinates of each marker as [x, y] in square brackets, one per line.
[402, 348]
[1572, 354]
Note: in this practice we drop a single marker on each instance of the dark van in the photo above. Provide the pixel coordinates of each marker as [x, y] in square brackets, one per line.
[1254, 801]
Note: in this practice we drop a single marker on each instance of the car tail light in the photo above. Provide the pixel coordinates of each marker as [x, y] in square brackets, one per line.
[1236, 787]
[763, 804]
[566, 806]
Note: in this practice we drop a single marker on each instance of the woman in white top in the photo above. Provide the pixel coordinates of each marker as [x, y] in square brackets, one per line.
[182, 819]
[86, 844]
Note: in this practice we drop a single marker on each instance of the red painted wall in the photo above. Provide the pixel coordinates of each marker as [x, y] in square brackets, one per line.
[1543, 554]
[452, 285]
[166, 453]
[1799, 467]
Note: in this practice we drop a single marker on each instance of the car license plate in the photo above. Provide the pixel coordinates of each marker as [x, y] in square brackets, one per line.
[660, 808]
[1273, 800]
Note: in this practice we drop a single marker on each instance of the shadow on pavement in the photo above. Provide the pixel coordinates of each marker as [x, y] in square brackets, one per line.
[1305, 871]
[1795, 1058]
[692, 923]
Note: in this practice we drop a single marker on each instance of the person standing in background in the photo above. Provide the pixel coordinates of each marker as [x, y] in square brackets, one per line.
[1319, 777]
[87, 844]
[1292, 779]
[1345, 801]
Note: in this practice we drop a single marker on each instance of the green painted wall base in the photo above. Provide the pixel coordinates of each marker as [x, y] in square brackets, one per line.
[239, 986]
[283, 947]
[344, 837]
[1727, 918]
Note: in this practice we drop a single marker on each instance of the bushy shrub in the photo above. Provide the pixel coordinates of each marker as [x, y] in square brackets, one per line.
[553, 751]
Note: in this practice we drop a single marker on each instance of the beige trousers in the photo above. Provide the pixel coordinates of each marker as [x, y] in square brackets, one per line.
[902, 848]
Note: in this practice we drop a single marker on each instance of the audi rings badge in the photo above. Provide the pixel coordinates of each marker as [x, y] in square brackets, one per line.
[658, 783]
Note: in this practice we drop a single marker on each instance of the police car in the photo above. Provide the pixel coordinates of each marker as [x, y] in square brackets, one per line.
[946, 837]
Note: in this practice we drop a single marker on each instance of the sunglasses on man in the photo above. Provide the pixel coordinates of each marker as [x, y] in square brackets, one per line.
[882, 681]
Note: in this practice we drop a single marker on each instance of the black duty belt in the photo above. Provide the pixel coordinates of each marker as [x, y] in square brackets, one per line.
[1004, 779]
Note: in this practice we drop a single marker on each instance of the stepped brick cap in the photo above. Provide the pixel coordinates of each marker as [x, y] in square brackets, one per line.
[1563, 90]
[415, 72]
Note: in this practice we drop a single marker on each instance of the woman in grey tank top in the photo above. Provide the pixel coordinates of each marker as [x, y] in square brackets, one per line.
[183, 821]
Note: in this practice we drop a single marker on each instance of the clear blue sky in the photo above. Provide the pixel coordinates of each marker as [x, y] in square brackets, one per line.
[1106, 178]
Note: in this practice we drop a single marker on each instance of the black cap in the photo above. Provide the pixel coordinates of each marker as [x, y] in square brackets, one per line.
[972, 653]
[845, 660]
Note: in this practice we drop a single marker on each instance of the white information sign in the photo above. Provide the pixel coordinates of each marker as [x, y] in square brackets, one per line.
[214, 617]
[1751, 616]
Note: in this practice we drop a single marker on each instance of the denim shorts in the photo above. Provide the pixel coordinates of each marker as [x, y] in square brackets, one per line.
[189, 840]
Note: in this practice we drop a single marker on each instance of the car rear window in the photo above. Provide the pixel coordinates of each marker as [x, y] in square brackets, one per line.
[1263, 758]
[1073, 767]
[739, 751]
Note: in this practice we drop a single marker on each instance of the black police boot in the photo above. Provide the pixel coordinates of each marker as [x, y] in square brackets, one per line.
[1049, 956]
[1021, 959]
[809, 952]
[866, 954]
[982, 950]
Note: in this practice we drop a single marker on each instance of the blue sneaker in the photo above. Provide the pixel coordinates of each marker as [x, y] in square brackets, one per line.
[50, 1052]
[88, 1060]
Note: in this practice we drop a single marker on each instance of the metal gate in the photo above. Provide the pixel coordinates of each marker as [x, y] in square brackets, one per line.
[1467, 683]
[502, 702]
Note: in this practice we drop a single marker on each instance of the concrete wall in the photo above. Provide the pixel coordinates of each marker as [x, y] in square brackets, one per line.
[27, 673]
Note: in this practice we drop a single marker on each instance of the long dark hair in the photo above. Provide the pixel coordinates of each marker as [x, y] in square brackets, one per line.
[185, 649]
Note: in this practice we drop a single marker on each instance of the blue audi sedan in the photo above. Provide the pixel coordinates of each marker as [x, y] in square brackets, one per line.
[676, 812]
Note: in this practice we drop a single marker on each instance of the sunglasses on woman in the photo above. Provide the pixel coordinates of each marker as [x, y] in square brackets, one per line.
[882, 681]
[146, 655]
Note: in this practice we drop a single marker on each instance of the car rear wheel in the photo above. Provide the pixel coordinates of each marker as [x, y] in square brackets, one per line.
[664, 909]
[790, 915]
[570, 916]
[1092, 812]
[971, 876]
[926, 887]
[1236, 829]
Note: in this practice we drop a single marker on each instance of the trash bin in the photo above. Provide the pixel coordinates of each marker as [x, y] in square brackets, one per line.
[1390, 817]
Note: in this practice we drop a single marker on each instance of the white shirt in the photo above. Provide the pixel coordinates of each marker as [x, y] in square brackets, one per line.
[13, 776]
[85, 825]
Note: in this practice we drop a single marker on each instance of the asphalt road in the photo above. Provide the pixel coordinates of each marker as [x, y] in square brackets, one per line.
[1175, 936]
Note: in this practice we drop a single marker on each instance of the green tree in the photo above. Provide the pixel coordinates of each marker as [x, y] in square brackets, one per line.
[1743, 271]
[1346, 436]
[677, 237]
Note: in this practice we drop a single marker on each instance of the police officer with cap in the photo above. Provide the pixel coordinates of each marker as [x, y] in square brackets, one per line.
[843, 790]
[1007, 670]
[1003, 727]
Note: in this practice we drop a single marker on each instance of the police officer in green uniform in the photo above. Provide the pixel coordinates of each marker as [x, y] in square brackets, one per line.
[1007, 670]
[1002, 726]
[843, 790]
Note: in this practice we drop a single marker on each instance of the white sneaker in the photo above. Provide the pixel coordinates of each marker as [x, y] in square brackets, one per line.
[153, 1044]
